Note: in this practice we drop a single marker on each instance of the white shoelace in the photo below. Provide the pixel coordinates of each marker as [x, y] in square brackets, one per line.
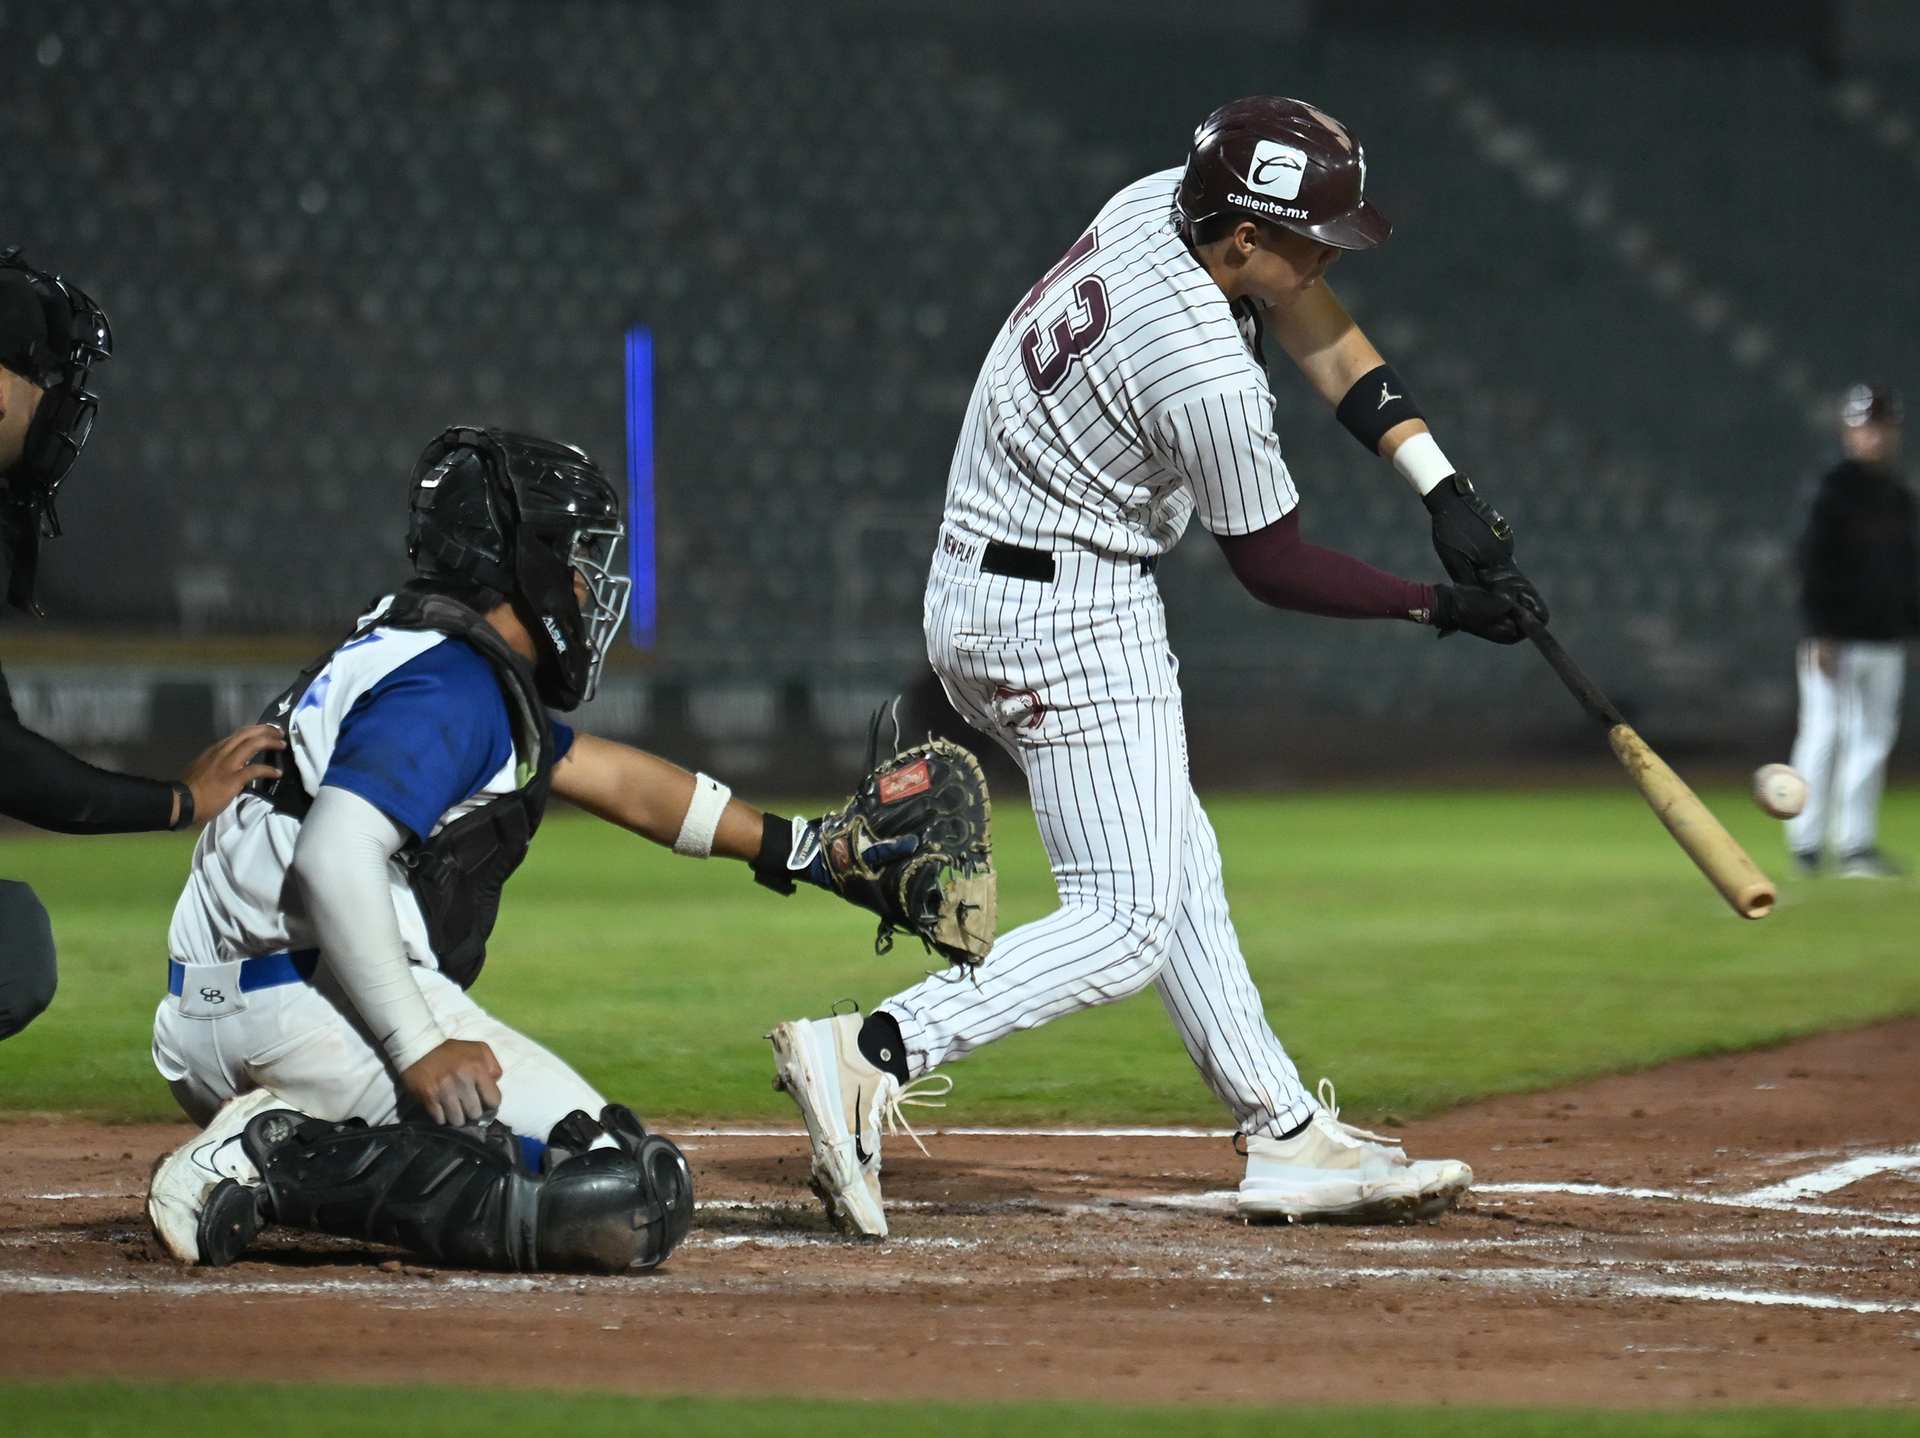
[1329, 1100]
[915, 1093]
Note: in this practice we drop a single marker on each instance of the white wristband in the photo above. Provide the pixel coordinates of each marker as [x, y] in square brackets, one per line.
[695, 839]
[1421, 463]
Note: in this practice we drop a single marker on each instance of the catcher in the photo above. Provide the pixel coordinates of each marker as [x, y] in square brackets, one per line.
[317, 1020]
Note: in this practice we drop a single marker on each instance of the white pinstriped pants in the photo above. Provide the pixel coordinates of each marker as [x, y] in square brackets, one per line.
[1848, 722]
[1134, 857]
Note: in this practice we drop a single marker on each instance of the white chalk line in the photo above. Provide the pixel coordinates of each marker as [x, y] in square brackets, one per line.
[801, 1133]
[1627, 1287]
[358, 1288]
[1215, 1200]
[1557, 1278]
[1789, 1196]
[1754, 1199]
[1225, 1200]
[1838, 1175]
[812, 1240]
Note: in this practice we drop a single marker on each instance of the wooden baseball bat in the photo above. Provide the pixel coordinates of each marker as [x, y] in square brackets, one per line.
[1694, 829]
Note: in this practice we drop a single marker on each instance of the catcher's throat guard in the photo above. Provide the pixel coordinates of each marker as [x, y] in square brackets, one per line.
[944, 891]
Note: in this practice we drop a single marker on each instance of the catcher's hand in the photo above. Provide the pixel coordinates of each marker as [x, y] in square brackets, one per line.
[914, 846]
[1475, 543]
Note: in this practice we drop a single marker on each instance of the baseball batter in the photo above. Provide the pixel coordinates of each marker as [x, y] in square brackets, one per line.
[1127, 394]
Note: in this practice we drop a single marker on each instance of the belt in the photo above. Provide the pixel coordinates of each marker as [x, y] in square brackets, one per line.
[1013, 562]
[269, 971]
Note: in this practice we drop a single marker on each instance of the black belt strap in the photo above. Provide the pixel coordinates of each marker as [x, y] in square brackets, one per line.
[1016, 563]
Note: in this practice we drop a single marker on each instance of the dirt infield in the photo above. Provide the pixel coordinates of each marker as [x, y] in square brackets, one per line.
[1737, 1231]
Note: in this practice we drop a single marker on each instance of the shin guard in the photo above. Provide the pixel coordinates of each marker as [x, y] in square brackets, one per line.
[463, 1198]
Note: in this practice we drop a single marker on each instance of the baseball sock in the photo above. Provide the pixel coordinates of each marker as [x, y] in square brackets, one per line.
[882, 1046]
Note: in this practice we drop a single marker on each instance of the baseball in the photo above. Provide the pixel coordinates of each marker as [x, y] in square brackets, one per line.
[1780, 790]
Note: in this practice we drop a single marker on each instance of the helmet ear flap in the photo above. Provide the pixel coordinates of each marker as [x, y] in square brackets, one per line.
[546, 585]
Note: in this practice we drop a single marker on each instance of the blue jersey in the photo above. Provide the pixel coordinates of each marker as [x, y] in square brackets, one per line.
[427, 737]
[412, 721]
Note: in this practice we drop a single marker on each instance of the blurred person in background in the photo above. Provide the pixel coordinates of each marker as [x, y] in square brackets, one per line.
[51, 336]
[1859, 570]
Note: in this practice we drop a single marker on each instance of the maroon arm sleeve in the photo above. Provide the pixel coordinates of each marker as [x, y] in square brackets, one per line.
[1279, 568]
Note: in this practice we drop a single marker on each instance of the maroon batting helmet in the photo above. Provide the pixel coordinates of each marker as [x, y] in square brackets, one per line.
[1282, 161]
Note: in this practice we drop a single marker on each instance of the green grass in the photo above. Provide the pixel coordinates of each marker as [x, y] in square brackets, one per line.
[207, 1410]
[1421, 949]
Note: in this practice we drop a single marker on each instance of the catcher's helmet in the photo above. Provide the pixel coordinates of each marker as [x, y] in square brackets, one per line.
[1282, 161]
[518, 515]
[1875, 402]
[53, 335]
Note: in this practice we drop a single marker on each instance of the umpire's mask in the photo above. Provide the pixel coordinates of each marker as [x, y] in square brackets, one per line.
[53, 335]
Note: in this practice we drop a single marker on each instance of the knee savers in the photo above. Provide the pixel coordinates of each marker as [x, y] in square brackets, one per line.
[463, 1198]
[27, 972]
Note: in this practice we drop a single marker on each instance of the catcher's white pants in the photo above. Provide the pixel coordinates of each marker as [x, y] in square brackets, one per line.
[1134, 857]
[1848, 722]
[303, 1042]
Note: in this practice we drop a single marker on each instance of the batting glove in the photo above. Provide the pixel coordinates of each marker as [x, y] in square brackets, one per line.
[1480, 612]
[1475, 543]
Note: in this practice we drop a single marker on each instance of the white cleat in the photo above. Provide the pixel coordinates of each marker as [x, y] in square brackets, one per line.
[846, 1102]
[185, 1178]
[1332, 1172]
[1868, 864]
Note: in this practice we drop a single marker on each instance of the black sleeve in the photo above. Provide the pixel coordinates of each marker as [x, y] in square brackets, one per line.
[1821, 559]
[1911, 558]
[43, 785]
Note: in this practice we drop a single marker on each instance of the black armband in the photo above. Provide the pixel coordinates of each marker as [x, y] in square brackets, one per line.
[1376, 403]
[185, 816]
[770, 864]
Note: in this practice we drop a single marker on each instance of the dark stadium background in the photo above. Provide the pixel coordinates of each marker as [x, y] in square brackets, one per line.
[1640, 250]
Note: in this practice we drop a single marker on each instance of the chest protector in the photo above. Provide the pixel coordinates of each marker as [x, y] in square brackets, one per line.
[456, 875]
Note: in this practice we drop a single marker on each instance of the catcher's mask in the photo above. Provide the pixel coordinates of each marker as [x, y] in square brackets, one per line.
[521, 516]
[53, 335]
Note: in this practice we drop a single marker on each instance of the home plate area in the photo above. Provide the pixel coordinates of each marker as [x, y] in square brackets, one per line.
[1728, 1230]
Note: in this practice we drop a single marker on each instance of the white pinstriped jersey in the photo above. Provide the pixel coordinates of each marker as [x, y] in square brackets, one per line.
[1123, 395]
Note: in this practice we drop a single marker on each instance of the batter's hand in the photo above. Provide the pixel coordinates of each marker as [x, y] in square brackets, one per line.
[458, 1083]
[218, 775]
[1475, 543]
[1480, 612]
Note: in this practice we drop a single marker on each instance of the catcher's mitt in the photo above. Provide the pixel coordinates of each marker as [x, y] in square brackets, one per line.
[914, 845]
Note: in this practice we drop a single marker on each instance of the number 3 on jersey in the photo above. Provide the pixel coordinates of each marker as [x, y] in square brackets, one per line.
[1072, 333]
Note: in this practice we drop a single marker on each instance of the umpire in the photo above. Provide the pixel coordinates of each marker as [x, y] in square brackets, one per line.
[51, 336]
[1859, 563]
